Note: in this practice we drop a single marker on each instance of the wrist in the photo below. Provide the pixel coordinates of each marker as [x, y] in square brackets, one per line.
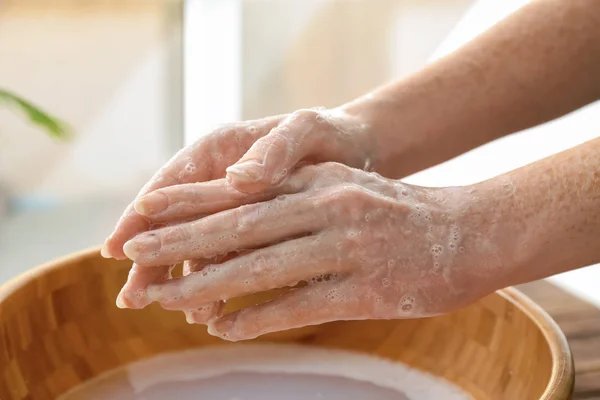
[519, 230]
[549, 211]
[492, 241]
[390, 149]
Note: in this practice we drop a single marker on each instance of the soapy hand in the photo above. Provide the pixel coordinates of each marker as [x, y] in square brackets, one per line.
[367, 247]
[252, 156]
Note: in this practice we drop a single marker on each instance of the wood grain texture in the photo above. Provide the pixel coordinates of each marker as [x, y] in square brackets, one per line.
[580, 321]
[59, 327]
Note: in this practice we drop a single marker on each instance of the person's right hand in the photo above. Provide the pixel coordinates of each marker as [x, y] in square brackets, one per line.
[253, 156]
[361, 246]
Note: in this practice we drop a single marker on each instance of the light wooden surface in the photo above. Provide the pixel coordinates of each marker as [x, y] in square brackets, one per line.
[580, 321]
[59, 327]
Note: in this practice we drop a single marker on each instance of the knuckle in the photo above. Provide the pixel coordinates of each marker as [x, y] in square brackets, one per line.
[278, 139]
[335, 197]
[326, 200]
[219, 140]
[240, 130]
[257, 267]
[348, 199]
[308, 171]
[330, 173]
[352, 193]
[243, 217]
[191, 193]
[299, 180]
[310, 117]
[335, 169]
[305, 114]
[178, 234]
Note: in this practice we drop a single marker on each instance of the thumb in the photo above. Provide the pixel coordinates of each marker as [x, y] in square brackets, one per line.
[270, 159]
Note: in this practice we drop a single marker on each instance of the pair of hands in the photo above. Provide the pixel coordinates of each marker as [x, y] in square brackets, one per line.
[291, 210]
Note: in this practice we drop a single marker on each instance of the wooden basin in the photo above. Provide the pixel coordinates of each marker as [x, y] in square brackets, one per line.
[60, 327]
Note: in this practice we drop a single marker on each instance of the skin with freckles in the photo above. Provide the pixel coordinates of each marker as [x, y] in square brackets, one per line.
[536, 65]
[554, 206]
[280, 143]
[265, 151]
[479, 93]
[369, 247]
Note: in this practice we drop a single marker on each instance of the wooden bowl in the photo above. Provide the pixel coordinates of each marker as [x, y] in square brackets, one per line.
[60, 327]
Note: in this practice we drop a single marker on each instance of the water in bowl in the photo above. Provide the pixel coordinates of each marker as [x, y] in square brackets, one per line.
[266, 372]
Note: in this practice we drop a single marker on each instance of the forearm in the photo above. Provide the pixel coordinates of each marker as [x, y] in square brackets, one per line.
[536, 65]
[544, 218]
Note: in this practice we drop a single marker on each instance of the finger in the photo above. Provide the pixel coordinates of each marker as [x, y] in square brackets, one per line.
[310, 305]
[246, 227]
[131, 222]
[128, 225]
[199, 162]
[206, 312]
[281, 265]
[133, 294]
[275, 155]
[182, 202]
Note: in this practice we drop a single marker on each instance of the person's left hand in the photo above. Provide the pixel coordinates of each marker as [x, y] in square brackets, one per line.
[253, 156]
[368, 247]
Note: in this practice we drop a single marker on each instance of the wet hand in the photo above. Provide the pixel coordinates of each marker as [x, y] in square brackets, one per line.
[264, 152]
[252, 156]
[367, 247]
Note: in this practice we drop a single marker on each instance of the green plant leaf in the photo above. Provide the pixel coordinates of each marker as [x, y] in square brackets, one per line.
[52, 125]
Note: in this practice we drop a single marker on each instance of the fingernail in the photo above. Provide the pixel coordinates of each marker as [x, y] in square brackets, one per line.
[220, 310]
[221, 328]
[132, 301]
[104, 252]
[247, 171]
[120, 302]
[196, 317]
[190, 317]
[152, 204]
[141, 244]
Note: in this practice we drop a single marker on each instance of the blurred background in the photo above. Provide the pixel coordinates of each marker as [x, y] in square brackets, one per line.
[138, 79]
[110, 69]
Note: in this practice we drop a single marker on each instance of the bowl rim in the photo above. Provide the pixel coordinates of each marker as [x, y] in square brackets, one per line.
[562, 377]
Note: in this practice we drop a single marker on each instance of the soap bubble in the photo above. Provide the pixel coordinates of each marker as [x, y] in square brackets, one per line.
[190, 167]
[406, 303]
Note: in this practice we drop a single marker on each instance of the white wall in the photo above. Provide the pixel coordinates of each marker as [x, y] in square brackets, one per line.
[301, 53]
